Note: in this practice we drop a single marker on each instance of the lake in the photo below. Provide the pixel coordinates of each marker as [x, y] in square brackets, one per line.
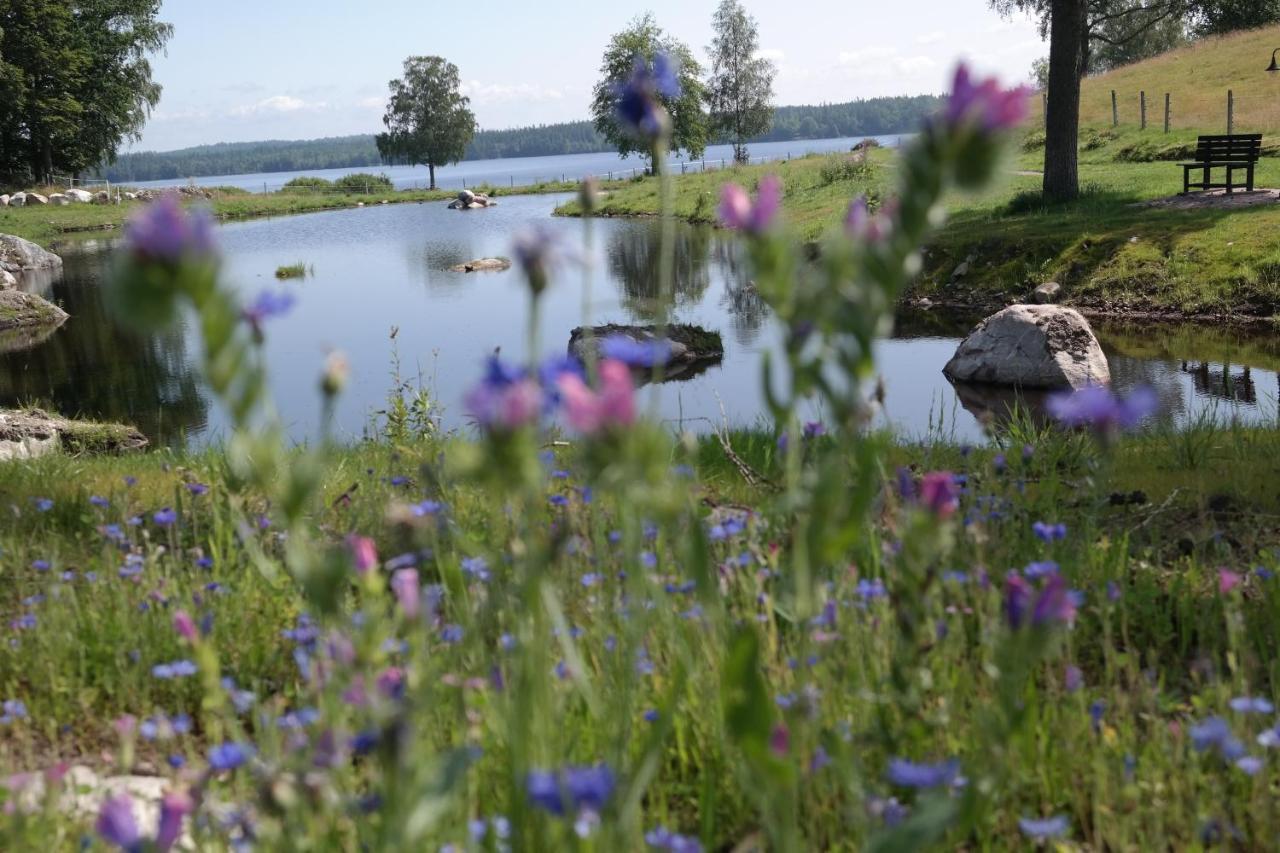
[383, 267]
[522, 171]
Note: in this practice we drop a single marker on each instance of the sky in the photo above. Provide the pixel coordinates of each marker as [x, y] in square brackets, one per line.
[244, 70]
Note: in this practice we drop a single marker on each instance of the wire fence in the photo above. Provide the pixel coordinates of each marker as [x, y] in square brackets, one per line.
[1244, 110]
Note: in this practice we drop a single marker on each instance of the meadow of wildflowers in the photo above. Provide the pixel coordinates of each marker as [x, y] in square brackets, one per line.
[573, 630]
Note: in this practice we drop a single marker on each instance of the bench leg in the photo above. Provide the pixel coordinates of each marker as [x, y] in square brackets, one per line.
[1251, 177]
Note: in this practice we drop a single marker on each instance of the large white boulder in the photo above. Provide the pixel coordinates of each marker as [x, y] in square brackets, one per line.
[4, 200]
[18, 200]
[59, 200]
[36, 198]
[79, 195]
[17, 254]
[8, 281]
[1031, 346]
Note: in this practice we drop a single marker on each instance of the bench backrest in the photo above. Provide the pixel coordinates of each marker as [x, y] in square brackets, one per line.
[1237, 148]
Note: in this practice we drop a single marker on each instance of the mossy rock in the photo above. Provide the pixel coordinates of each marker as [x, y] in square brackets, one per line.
[30, 433]
[20, 310]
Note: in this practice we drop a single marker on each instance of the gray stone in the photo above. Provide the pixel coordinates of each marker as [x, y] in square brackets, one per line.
[1031, 346]
[36, 199]
[30, 433]
[483, 265]
[4, 200]
[18, 200]
[79, 196]
[691, 349]
[59, 200]
[19, 310]
[8, 281]
[17, 254]
[1046, 293]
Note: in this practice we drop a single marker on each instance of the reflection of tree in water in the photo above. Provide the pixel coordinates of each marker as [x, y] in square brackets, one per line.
[92, 368]
[1222, 383]
[745, 305]
[1128, 373]
[634, 255]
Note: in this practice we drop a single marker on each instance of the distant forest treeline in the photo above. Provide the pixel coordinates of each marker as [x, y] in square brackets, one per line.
[858, 118]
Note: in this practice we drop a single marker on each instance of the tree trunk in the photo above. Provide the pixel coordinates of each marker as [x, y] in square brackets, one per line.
[431, 167]
[1068, 34]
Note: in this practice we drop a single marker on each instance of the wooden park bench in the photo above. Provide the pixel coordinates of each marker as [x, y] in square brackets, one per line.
[1236, 152]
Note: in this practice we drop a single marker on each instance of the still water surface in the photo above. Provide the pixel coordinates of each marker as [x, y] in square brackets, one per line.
[385, 267]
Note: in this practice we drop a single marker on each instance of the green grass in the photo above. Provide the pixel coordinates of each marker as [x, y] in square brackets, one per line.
[1110, 254]
[287, 271]
[1197, 77]
[1169, 652]
[46, 225]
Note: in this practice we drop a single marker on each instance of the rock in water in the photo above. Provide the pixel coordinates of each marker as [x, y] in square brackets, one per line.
[22, 310]
[17, 255]
[482, 265]
[1031, 346]
[29, 433]
[689, 350]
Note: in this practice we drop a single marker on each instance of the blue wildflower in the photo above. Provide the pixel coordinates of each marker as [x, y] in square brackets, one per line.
[909, 774]
[639, 107]
[1252, 705]
[662, 838]
[1042, 829]
[229, 756]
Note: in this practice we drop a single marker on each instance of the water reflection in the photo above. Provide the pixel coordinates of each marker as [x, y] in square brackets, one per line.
[388, 266]
[92, 367]
[634, 258]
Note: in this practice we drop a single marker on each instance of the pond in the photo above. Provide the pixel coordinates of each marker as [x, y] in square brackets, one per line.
[381, 268]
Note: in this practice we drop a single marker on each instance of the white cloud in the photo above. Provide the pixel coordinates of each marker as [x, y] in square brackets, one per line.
[869, 56]
[772, 54]
[277, 104]
[498, 93]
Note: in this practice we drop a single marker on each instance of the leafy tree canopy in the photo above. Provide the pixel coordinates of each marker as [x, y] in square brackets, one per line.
[75, 81]
[740, 90]
[429, 121]
[644, 38]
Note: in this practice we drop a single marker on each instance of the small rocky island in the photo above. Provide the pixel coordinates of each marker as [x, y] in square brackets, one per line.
[688, 350]
[467, 200]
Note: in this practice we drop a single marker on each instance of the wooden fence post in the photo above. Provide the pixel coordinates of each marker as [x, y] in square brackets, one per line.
[1168, 98]
[1231, 112]
[1142, 101]
[1115, 110]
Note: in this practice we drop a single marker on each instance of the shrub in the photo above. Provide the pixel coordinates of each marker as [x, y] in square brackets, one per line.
[364, 182]
[307, 182]
[839, 169]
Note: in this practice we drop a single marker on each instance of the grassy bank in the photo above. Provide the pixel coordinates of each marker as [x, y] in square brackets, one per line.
[1110, 253]
[46, 224]
[89, 596]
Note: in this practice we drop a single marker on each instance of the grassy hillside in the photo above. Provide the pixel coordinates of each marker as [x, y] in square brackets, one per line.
[1197, 78]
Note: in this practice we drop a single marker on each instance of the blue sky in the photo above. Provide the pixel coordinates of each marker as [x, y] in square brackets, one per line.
[237, 70]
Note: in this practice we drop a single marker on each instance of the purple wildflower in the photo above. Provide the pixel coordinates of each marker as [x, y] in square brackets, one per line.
[1055, 604]
[938, 493]
[638, 101]
[164, 233]
[634, 353]
[506, 399]
[165, 517]
[909, 774]
[737, 211]
[1049, 532]
[571, 789]
[662, 838]
[117, 825]
[1043, 829]
[1097, 407]
[229, 756]
[1252, 705]
[12, 711]
[264, 307]
[1017, 599]
[984, 103]
[173, 808]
